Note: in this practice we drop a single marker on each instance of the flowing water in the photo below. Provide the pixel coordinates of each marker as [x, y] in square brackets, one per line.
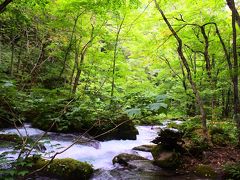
[100, 154]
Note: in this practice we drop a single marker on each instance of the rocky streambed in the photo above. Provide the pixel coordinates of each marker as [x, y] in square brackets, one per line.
[114, 159]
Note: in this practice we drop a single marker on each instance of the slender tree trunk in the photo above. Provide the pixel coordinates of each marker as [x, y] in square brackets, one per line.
[206, 54]
[69, 46]
[1, 39]
[231, 5]
[19, 58]
[12, 58]
[235, 74]
[115, 58]
[72, 74]
[82, 57]
[41, 59]
[79, 69]
[189, 75]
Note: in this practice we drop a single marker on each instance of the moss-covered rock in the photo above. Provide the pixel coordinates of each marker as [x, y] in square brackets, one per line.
[9, 140]
[126, 130]
[205, 171]
[119, 127]
[196, 145]
[10, 137]
[169, 139]
[65, 169]
[164, 158]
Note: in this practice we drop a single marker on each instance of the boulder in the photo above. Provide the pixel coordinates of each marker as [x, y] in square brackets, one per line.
[64, 169]
[124, 158]
[165, 158]
[169, 138]
[126, 130]
[11, 138]
[145, 148]
[143, 165]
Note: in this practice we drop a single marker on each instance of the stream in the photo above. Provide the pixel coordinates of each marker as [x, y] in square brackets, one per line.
[100, 154]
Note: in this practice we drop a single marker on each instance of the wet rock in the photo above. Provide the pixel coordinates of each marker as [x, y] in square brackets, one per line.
[124, 158]
[10, 138]
[169, 138]
[165, 159]
[126, 130]
[64, 169]
[138, 174]
[143, 165]
[145, 148]
[78, 138]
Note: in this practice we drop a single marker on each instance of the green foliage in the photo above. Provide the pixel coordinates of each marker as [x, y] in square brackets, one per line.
[147, 106]
[205, 171]
[223, 132]
[232, 171]
[219, 136]
[45, 44]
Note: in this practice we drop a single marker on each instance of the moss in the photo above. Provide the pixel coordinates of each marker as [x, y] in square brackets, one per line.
[156, 151]
[10, 138]
[205, 171]
[165, 159]
[65, 168]
[173, 125]
[216, 130]
[169, 160]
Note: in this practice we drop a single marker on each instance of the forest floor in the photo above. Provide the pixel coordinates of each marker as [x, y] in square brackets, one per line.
[216, 157]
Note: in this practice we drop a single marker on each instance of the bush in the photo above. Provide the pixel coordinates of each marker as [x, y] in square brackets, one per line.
[232, 171]
[205, 171]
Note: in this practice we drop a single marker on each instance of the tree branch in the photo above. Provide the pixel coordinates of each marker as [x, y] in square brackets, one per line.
[3, 5]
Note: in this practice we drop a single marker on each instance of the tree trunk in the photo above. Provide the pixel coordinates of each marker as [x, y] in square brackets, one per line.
[206, 54]
[189, 75]
[80, 65]
[12, 57]
[69, 46]
[19, 58]
[231, 5]
[115, 57]
[235, 74]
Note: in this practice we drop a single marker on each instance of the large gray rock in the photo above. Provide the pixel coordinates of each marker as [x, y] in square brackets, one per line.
[145, 148]
[143, 165]
[124, 158]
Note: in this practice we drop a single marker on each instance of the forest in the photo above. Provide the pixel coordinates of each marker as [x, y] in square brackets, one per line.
[119, 89]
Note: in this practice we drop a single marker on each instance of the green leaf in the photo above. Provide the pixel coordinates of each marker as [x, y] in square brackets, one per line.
[22, 173]
[157, 106]
[133, 112]
[161, 98]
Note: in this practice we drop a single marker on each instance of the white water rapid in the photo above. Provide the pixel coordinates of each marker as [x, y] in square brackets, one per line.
[100, 156]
